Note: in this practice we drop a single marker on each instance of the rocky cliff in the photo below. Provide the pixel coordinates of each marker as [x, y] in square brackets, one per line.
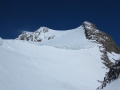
[36, 36]
[92, 33]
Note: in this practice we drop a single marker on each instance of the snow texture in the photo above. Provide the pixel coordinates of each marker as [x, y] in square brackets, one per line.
[30, 66]
[1, 41]
[115, 85]
[113, 56]
[66, 62]
[73, 37]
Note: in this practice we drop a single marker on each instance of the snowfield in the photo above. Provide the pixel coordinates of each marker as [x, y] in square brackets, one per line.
[67, 62]
[30, 66]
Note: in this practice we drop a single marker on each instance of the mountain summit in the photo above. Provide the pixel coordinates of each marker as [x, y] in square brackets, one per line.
[100, 37]
[92, 33]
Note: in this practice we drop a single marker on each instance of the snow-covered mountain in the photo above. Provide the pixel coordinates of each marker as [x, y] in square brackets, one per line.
[57, 59]
[86, 35]
[74, 37]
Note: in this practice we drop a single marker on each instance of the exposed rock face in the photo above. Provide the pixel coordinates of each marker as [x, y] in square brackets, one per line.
[36, 36]
[111, 75]
[92, 33]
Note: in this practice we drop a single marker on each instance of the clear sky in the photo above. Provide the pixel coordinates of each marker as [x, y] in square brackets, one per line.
[19, 15]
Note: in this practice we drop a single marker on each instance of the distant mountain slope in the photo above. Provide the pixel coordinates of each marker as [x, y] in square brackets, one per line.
[74, 37]
[85, 35]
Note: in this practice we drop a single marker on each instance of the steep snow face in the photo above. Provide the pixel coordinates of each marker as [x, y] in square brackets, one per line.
[74, 37]
[34, 66]
[1, 41]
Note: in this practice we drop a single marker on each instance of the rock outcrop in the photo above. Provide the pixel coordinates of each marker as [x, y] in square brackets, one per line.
[36, 36]
[108, 45]
[112, 74]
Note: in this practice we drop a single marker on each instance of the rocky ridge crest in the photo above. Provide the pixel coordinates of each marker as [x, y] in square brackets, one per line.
[36, 36]
[91, 32]
[108, 44]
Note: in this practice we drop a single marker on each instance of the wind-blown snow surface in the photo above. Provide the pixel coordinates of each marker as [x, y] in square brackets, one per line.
[31, 66]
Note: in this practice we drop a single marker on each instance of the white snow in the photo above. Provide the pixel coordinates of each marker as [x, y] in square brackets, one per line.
[113, 56]
[30, 66]
[115, 85]
[87, 23]
[1, 41]
[74, 37]
[67, 62]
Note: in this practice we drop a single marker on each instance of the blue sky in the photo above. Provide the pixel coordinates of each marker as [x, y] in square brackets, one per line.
[19, 15]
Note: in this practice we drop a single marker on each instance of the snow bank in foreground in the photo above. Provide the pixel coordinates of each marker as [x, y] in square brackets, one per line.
[1, 41]
[26, 66]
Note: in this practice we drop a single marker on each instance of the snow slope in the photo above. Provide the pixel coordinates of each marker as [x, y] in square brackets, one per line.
[63, 60]
[115, 85]
[73, 37]
[1, 41]
[32, 66]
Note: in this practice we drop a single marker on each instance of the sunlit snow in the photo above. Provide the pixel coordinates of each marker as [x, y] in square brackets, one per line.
[67, 62]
